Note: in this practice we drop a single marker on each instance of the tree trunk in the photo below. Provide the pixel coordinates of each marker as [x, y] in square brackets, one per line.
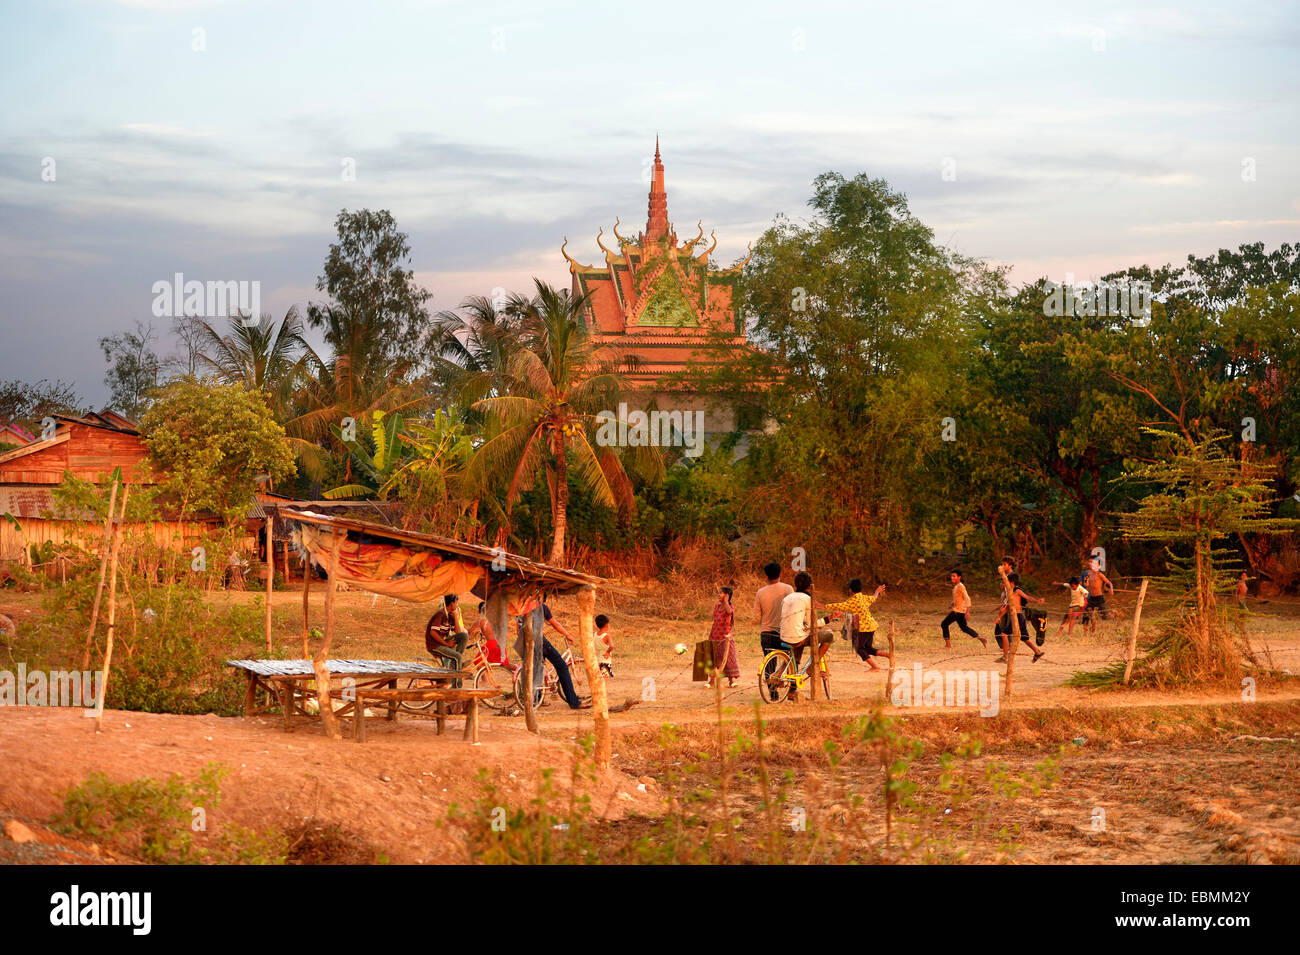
[560, 517]
[1088, 530]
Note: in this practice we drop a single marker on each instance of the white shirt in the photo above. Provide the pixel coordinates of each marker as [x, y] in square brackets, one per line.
[796, 611]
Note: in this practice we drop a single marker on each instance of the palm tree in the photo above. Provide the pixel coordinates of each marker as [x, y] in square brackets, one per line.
[261, 357]
[356, 381]
[274, 359]
[474, 350]
[556, 381]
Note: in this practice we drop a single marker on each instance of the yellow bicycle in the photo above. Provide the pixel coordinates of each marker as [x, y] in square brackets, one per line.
[777, 675]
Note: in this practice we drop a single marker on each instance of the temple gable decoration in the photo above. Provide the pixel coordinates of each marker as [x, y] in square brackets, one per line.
[657, 297]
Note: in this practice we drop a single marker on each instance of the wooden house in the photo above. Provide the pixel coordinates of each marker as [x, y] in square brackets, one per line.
[89, 447]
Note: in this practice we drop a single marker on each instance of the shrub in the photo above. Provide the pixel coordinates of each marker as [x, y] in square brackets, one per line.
[165, 822]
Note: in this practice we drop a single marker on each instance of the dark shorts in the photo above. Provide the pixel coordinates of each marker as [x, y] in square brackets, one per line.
[864, 644]
[771, 640]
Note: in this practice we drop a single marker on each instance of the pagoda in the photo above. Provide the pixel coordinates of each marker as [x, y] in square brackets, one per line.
[660, 300]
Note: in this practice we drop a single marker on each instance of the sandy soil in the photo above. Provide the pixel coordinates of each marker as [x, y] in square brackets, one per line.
[1188, 797]
[394, 789]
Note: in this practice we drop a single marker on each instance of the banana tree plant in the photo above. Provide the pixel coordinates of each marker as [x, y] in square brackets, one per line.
[376, 465]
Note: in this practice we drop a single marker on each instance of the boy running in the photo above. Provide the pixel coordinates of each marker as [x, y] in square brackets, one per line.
[1078, 601]
[864, 634]
[1098, 585]
[959, 611]
[1014, 616]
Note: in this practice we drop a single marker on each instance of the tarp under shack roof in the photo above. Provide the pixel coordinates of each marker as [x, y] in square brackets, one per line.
[420, 567]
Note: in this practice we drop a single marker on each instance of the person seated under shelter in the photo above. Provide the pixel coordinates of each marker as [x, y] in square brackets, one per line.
[445, 635]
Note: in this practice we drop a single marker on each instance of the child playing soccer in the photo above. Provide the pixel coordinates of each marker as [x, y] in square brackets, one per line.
[959, 611]
[1078, 601]
[1014, 616]
[859, 605]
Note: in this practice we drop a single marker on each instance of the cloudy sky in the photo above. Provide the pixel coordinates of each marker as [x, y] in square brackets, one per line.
[143, 138]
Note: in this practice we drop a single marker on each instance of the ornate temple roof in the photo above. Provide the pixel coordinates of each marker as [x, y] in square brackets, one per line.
[655, 296]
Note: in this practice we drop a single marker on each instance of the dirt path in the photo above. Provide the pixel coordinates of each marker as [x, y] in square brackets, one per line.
[394, 789]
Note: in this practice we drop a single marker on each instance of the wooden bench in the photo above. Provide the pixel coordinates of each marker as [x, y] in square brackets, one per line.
[358, 697]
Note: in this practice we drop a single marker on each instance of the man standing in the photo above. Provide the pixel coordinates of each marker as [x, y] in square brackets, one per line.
[767, 607]
[543, 650]
[959, 612]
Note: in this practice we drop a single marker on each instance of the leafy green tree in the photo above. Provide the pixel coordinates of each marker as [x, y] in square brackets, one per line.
[1072, 424]
[861, 324]
[476, 344]
[1221, 353]
[378, 463]
[26, 404]
[431, 481]
[365, 277]
[134, 369]
[211, 445]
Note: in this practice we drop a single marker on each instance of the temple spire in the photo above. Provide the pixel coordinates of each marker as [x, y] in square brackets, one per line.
[657, 216]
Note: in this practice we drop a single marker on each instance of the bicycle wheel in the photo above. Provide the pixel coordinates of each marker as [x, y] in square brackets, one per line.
[545, 685]
[417, 683]
[495, 676]
[578, 674]
[772, 684]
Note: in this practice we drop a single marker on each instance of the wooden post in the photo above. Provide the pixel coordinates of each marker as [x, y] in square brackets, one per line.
[320, 661]
[1013, 637]
[889, 678]
[112, 610]
[1133, 637]
[306, 592]
[815, 641]
[595, 679]
[270, 577]
[103, 569]
[530, 644]
[471, 720]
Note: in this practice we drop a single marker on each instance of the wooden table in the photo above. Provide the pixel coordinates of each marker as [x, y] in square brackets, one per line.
[285, 684]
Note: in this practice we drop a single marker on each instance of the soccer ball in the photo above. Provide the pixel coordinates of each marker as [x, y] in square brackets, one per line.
[680, 648]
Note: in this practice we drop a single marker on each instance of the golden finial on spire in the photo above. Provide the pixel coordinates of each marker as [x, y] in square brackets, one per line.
[745, 261]
[616, 235]
[602, 244]
[713, 234]
[572, 261]
[701, 235]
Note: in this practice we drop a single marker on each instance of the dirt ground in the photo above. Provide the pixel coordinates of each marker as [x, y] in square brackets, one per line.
[1212, 783]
